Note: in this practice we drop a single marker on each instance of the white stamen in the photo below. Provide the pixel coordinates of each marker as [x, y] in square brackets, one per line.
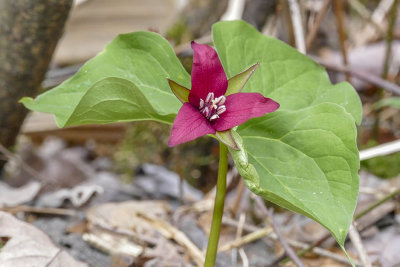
[211, 108]
[206, 112]
[221, 109]
[201, 104]
[213, 117]
[210, 97]
[220, 100]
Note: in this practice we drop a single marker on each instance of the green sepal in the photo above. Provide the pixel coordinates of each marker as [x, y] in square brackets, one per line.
[227, 137]
[181, 92]
[237, 82]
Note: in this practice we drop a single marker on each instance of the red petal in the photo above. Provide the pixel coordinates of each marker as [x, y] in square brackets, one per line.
[208, 75]
[241, 107]
[188, 125]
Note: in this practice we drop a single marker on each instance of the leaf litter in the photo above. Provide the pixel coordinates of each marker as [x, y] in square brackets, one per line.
[125, 223]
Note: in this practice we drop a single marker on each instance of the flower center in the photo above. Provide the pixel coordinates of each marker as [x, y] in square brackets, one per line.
[211, 108]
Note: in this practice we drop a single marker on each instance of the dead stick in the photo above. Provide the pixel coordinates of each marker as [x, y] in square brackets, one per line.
[376, 204]
[356, 240]
[289, 251]
[313, 32]
[238, 197]
[297, 25]
[389, 39]
[368, 77]
[55, 211]
[253, 236]
[171, 232]
[365, 14]
[339, 14]
[356, 217]
[316, 250]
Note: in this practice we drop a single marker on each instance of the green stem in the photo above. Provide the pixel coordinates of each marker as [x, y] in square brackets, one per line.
[218, 207]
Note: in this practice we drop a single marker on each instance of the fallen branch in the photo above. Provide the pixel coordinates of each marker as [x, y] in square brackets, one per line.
[365, 14]
[356, 218]
[356, 240]
[376, 204]
[368, 77]
[297, 26]
[54, 211]
[381, 150]
[253, 236]
[314, 30]
[289, 251]
[239, 232]
[316, 250]
[169, 231]
[338, 8]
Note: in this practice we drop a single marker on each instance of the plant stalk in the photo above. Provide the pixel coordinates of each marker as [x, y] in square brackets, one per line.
[218, 207]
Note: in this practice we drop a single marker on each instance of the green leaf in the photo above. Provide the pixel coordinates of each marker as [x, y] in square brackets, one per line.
[125, 102]
[144, 59]
[304, 156]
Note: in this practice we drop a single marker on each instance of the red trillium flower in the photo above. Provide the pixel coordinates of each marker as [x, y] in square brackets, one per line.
[208, 108]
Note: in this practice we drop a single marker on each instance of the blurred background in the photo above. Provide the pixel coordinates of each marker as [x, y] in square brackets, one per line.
[52, 171]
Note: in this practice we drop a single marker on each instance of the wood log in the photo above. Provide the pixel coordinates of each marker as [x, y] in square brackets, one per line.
[29, 31]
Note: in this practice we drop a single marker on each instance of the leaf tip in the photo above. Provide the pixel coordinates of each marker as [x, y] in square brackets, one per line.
[26, 100]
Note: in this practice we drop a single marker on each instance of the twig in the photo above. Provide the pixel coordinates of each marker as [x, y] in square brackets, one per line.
[314, 30]
[379, 14]
[244, 258]
[289, 251]
[381, 150]
[376, 204]
[171, 232]
[234, 10]
[377, 17]
[389, 39]
[338, 10]
[297, 25]
[55, 211]
[368, 77]
[239, 232]
[254, 235]
[356, 218]
[385, 71]
[238, 197]
[356, 240]
[303, 251]
[294, 243]
[365, 14]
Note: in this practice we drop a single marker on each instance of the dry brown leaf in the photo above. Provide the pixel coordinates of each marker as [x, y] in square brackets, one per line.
[124, 215]
[11, 197]
[28, 246]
